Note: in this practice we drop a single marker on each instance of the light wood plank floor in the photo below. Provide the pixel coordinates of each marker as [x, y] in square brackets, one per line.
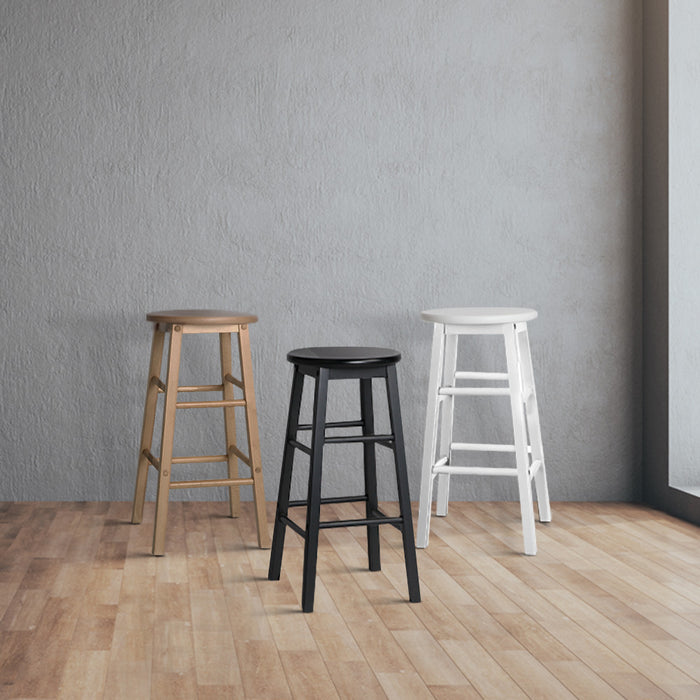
[609, 607]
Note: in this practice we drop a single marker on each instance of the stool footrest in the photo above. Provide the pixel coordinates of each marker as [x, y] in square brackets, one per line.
[473, 391]
[203, 459]
[487, 376]
[336, 424]
[378, 519]
[476, 471]
[201, 387]
[210, 482]
[223, 403]
[483, 447]
[361, 438]
[230, 378]
[329, 499]
[300, 446]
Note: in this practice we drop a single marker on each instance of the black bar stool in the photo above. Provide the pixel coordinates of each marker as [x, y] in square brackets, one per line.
[324, 364]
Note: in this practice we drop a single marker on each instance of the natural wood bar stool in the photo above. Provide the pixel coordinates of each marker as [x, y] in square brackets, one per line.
[178, 324]
[438, 460]
[323, 365]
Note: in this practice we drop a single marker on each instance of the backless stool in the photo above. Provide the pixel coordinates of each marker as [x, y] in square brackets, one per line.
[449, 325]
[325, 364]
[179, 324]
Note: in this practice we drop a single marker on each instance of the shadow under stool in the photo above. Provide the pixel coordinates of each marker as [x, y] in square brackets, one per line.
[177, 324]
[325, 364]
[439, 459]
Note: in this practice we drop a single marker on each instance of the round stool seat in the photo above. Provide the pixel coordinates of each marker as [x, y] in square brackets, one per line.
[201, 317]
[479, 315]
[338, 356]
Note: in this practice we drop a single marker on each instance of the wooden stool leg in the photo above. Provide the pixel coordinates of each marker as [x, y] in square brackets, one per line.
[251, 414]
[370, 468]
[532, 416]
[313, 509]
[234, 492]
[166, 445]
[149, 418]
[447, 379]
[430, 438]
[522, 460]
[409, 551]
[273, 573]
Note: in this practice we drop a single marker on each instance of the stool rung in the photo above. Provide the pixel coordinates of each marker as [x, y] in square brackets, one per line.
[211, 404]
[153, 460]
[482, 447]
[300, 446]
[473, 391]
[210, 482]
[361, 438]
[157, 382]
[535, 467]
[203, 459]
[476, 471]
[244, 458]
[380, 520]
[488, 376]
[329, 499]
[201, 387]
[336, 424]
[233, 380]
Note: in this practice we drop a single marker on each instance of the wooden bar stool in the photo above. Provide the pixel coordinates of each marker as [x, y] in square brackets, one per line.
[178, 324]
[325, 364]
[439, 461]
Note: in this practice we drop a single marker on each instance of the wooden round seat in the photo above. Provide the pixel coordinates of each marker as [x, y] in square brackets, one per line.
[201, 317]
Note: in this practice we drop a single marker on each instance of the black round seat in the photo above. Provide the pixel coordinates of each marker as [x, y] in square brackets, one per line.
[336, 356]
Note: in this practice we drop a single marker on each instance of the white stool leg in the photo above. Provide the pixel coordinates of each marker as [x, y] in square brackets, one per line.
[430, 438]
[533, 425]
[447, 417]
[522, 460]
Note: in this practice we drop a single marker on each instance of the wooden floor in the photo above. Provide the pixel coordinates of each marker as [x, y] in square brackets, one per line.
[609, 608]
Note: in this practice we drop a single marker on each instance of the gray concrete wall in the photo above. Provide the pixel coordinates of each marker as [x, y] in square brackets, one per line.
[334, 167]
[684, 252]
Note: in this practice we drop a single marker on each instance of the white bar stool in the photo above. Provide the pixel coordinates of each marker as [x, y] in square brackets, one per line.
[511, 323]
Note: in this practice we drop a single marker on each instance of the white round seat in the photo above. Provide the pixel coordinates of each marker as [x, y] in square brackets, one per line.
[478, 315]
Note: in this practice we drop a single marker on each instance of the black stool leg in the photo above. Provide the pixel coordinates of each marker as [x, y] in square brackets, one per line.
[409, 547]
[370, 462]
[273, 573]
[313, 508]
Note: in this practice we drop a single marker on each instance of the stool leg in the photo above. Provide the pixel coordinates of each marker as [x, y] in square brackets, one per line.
[149, 418]
[409, 551]
[273, 573]
[522, 459]
[166, 445]
[313, 509]
[234, 492]
[533, 425]
[253, 437]
[370, 465]
[430, 437]
[446, 422]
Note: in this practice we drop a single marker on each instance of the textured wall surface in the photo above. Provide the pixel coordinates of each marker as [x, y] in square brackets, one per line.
[334, 167]
[684, 252]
